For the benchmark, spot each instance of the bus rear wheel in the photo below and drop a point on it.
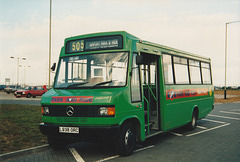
(193, 124)
(126, 141)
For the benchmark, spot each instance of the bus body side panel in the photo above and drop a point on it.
(207, 103)
(178, 110)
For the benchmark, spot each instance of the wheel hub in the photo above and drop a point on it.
(127, 136)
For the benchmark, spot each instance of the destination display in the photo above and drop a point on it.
(92, 44)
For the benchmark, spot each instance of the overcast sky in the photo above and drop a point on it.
(189, 25)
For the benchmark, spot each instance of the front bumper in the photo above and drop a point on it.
(20, 95)
(85, 133)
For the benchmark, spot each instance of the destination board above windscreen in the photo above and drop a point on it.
(94, 44)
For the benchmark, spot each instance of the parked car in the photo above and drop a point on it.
(234, 87)
(217, 88)
(31, 91)
(2, 87)
(11, 89)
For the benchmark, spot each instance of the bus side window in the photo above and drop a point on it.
(181, 70)
(206, 74)
(135, 81)
(195, 74)
(167, 67)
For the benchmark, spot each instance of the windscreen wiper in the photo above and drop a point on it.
(102, 83)
(75, 85)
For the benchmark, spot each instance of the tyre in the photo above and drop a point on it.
(57, 143)
(126, 140)
(29, 95)
(193, 124)
(34, 96)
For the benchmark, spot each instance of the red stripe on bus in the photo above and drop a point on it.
(72, 99)
(184, 93)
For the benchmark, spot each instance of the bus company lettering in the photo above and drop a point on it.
(72, 99)
(183, 93)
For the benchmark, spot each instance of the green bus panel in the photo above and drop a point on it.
(180, 102)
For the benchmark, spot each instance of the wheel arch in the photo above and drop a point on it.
(28, 95)
(195, 110)
(136, 123)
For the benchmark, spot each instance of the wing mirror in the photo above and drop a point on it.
(53, 67)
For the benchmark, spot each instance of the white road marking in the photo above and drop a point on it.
(75, 154)
(109, 158)
(144, 148)
(206, 130)
(176, 134)
(224, 117)
(218, 103)
(214, 121)
(24, 150)
(235, 110)
(227, 112)
(116, 156)
(201, 127)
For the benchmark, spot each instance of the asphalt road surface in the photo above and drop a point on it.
(11, 99)
(216, 138)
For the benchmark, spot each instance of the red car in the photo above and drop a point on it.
(31, 92)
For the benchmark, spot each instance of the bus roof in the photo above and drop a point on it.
(127, 35)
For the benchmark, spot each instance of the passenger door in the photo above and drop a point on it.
(150, 79)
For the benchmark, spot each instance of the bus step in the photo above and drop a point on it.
(150, 125)
(153, 133)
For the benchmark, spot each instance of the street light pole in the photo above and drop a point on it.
(23, 58)
(25, 75)
(17, 71)
(225, 87)
(49, 63)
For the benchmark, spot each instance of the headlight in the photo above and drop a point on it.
(103, 111)
(45, 110)
(106, 111)
(23, 93)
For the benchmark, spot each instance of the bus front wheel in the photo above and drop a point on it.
(126, 141)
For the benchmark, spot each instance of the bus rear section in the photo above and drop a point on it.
(188, 90)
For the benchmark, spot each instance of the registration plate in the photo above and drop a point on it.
(68, 130)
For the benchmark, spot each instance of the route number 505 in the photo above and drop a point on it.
(75, 46)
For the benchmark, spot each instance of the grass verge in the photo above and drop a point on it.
(234, 96)
(19, 127)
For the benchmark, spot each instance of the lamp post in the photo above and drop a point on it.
(25, 75)
(49, 61)
(225, 89)
(23, 58)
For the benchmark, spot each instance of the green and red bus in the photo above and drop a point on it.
(114, 86)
